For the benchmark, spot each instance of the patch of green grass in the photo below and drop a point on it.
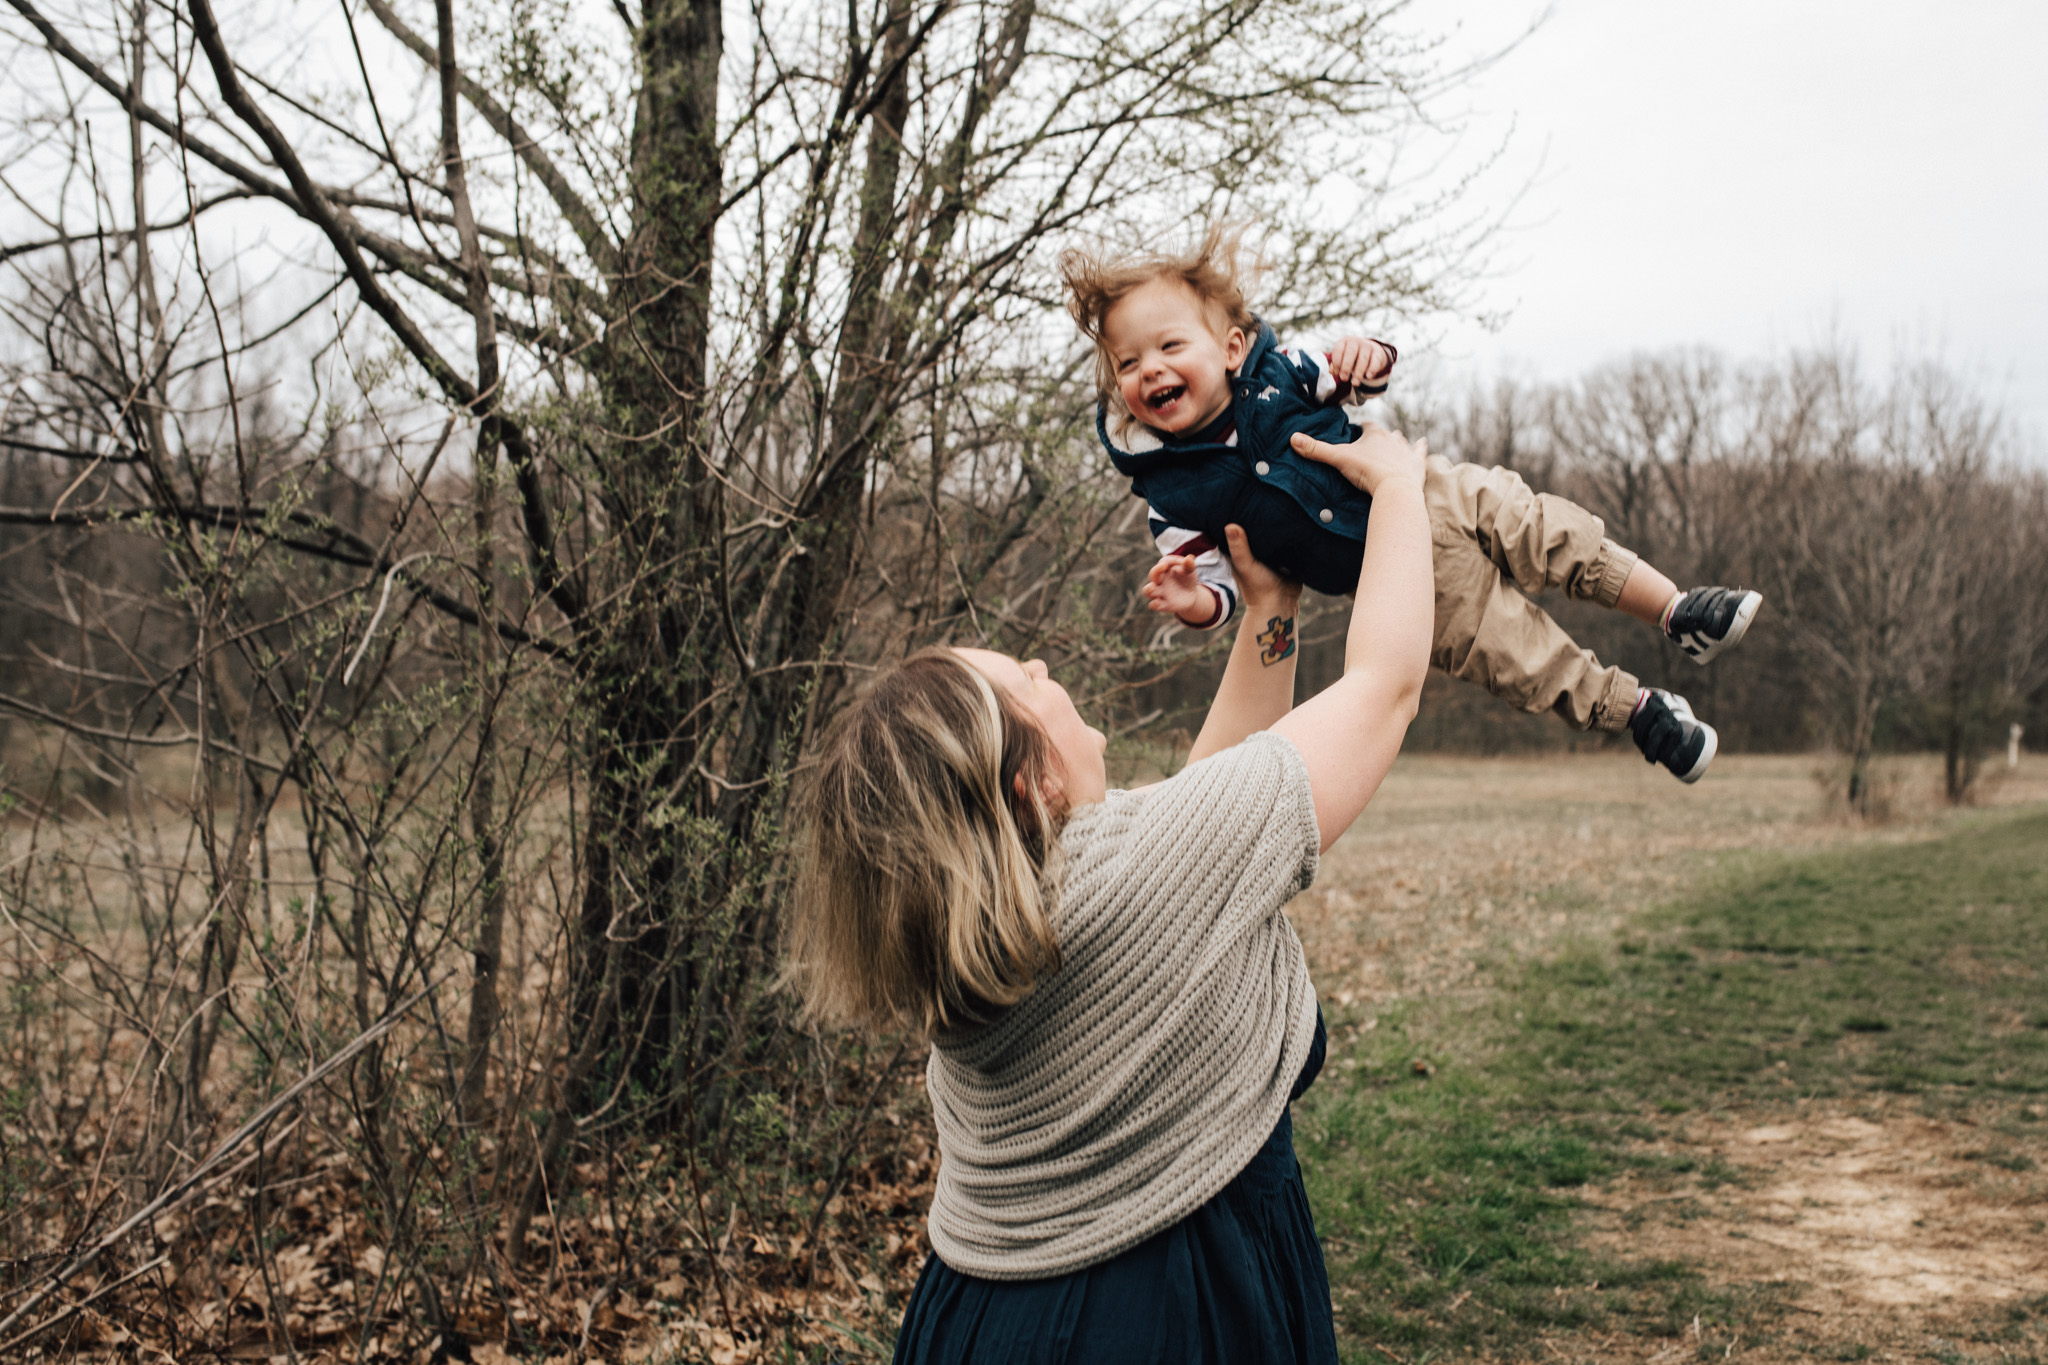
(1422, 1194)
(1895, 969)
(1444, 1206)
(1444, 1200)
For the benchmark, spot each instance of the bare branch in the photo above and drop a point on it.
(590, 232)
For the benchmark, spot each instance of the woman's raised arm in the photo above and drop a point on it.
(1258, 682)
(1349, 733)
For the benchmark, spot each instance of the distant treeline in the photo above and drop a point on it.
(1899, 536)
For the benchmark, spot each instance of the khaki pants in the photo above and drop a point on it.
(1489, 527)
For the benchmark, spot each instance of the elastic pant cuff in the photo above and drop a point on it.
(1608, 571)
(1618, 703)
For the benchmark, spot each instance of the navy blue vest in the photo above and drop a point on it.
(1302, 519)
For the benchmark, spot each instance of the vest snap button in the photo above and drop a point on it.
(1263, 468)
(1327, 515)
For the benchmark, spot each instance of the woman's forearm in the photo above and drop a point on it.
(1258, 681)
(1349, 734)
(1396, 580)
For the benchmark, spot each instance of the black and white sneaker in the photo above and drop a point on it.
(1667, 732)
(1705, 621)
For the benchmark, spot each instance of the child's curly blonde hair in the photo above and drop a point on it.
(1214, 268)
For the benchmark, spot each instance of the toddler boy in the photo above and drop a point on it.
(1202, 408)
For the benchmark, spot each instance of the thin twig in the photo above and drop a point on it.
(348, 674)
(860, 1122)
(47, 1323)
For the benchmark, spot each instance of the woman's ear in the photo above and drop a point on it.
(1050, 788)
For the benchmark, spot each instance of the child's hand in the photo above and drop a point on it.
(1361, 361)
(1377, 455)
(1172, 588)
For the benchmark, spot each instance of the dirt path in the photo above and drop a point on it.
(1883, 1230)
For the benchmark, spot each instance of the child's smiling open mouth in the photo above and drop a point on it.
(1163, 400)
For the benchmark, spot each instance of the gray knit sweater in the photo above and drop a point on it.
(1137, 1081)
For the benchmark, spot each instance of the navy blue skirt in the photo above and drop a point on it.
(1240, 1279)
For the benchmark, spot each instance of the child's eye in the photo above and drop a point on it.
(1123, 366)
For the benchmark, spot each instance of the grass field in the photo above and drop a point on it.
(1626, 1071)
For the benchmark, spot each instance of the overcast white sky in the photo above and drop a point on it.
(1759, 175)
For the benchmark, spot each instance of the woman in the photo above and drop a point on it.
(1119, 1011)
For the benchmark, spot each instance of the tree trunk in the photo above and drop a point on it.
(652, 655)
(486, 948)
(490, 846)
(1860, 739)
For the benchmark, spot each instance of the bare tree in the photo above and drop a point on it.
(1992, 647)
(1866, 495)
(1877, 516)
(530, 419)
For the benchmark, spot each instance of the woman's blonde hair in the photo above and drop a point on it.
(925, 892)
(1214, 268)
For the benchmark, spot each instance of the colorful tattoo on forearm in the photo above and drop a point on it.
(1276, 640)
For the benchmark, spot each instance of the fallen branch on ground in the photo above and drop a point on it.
(199, 1173)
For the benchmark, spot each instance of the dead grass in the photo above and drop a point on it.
(1459, 859)
(1876, 1211)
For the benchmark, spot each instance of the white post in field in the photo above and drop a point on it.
(2012, 746)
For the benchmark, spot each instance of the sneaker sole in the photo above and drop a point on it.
(1737, 628)
(1707, 752)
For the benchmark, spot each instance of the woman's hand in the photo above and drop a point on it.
(1259, 584)
(1377, 455)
